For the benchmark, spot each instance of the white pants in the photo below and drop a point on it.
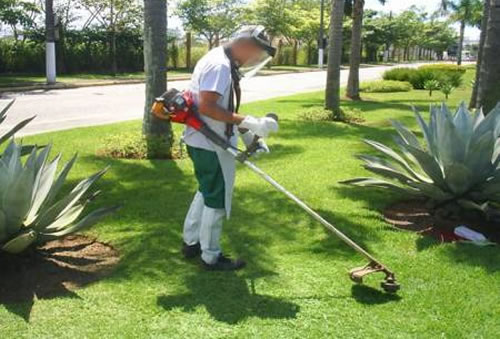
(204, 225)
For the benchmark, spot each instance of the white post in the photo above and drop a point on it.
(320, 58)
(50, 62)
(50, 46)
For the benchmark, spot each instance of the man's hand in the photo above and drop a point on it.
(259, 126)
(248, 138)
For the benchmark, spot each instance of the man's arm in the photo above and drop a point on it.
(208, 106)
(260, 126)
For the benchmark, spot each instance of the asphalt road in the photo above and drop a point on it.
(89, 106)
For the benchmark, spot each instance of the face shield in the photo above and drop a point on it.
(262, 50)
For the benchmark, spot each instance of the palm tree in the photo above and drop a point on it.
(484, 21)
(332, 93)
(464, 12)
(155, 59)
(489, 83)
(355, 57)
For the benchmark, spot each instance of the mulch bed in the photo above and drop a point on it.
(54, 269)
(417, 217)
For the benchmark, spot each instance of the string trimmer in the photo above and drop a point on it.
(179, 107)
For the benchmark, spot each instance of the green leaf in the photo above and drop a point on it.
(43, 185)
(459, 178)
(3, 227)
(463, 123)
(15, 129)
(406, 135)
(396, 157)
(428, 135)
(20, 243)
(372, 182)
(59, 208)
(56, 187)
(429, 165)
(7, 107)
(17, 198)
(88, 221)
(64, 219)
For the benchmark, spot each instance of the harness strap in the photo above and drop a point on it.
(235, 92)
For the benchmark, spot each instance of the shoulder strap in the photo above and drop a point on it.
(235, 92)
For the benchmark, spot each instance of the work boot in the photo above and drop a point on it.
(191, 251)
(224, 263)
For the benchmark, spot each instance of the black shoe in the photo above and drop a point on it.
(191, 251)
(224, 263)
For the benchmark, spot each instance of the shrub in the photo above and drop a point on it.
(349, 115)
(385, 86)
(447, 68)
(419, 76)
(459, 166)
(399, 74)
(136, 146)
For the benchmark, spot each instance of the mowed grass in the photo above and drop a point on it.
(296, 283)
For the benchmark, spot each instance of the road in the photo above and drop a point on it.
(89, 106)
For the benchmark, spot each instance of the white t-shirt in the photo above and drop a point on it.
(212, 73)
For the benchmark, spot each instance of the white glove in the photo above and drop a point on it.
(260, 126)
(248, 138)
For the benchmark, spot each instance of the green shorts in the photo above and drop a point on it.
(208, 172)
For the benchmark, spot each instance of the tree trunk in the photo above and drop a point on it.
(332, 92)
(461, 43)
(155, 56)
(489, 83)
(295, 51)
(355, 59)
(486, 12)
(112, 26)
(188, 50)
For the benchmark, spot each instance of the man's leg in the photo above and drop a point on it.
(210, 232)
(211, 180)
(192, 224)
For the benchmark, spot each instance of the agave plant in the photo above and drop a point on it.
(31, 210)
(16, 128)
(459, 162)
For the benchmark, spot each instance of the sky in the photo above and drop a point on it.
(428, 5)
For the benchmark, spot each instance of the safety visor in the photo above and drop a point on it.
(259, 36)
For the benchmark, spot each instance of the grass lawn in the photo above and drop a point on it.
(296, 283)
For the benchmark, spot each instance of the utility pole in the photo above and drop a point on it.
(321, 41)
(50, 35)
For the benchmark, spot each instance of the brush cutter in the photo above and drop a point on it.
(179, 107)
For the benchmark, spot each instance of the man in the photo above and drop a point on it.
(216, 92)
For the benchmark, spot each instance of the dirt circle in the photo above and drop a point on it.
(55, 269)
(414, 215)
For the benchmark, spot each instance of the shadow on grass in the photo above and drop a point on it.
(228, 297)
(371, 296)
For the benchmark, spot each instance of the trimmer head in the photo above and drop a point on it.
(389, 284)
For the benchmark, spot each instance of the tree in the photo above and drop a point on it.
(482, 38)
(355, 57)
(213, 19)
(114, 16)
(332, 92)
(155, 57)
(465, 12)
(489, 83)
(15, 13)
